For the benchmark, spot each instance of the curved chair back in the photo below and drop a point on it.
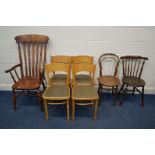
(52, 69)
(113, 58)
(87, 68)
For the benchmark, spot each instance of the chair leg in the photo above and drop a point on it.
(99, 92)
(123, 94)
(133, 90)
(115, 96)
(14, 99)
(121, 89)
(40, 100)
(68, 110)
(46, 109)
(95, 109)
(142, 103)
(43, 84)
(73, 109)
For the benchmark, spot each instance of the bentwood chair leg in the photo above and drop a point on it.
(115, 95)
(14, 99)
(95, 110)
(73, 110)
(133, 90)
(142, 104)
(68, 110)
(46, 109)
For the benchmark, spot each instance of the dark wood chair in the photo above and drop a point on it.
(32, 58)
(108, 80)
(132, 71)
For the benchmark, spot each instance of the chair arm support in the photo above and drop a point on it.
(12, 68)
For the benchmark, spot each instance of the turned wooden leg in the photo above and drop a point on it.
(73, 110)
(142, 104)
(14, 99)
(68, 110)
(133, 90)
(40, 100)
(46, 109)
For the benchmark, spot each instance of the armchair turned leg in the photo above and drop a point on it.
(40, 100)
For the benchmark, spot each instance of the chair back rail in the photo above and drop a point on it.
(82, 59)
(32, 54)
(133, 65)
(61, 59)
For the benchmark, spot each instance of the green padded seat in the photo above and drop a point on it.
(83, 79)
(84, 92)
(57, 92)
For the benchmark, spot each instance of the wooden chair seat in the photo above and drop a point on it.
(59, 78)
(27, 83)
(83, 79)
(109, 81)
(133, 81)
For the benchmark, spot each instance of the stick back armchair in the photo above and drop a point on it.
(32, 59)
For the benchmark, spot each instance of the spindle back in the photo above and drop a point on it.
(133, 65)
(32, 54)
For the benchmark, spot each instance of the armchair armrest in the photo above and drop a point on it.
(12, 68)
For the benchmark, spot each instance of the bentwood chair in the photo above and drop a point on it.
(132, 71)
(83, 74)
(57, 92)
(32, 58)
(108, 68)
(61, 59)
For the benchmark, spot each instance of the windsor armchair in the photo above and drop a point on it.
(132, 71)
(32, 58)
(109, 79)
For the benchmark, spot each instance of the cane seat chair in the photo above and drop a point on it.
(57, 91)
(80, 70)
(132, 71)
(82, 59)
(108, 69)
(61, 59)
(32, 58)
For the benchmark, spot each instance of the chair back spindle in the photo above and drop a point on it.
(133, 66)
(32, 54)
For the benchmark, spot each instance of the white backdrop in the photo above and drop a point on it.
(85, 40)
